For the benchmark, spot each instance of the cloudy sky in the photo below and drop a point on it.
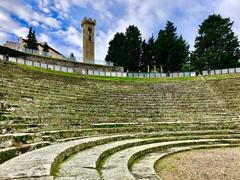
(58, 22)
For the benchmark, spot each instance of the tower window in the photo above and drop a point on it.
(89, 38)
(89, 30)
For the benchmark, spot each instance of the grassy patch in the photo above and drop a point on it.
(49, 71)
(222, 76)
(103, 78)
(145, 80)
(126, 79)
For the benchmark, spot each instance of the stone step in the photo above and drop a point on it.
(9, 140)
(116, 166)
(143, 168)
(42, 162)
(63, 134)
(11, 152)
(79, 167)
(48, 158)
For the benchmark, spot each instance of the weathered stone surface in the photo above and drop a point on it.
(83, 164)
(38, 163)
(144, 167)
(116, 166)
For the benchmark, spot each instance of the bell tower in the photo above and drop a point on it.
(88, 29)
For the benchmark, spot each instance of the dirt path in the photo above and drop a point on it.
(214, 164)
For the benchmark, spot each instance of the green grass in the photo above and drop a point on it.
(49, 71)
(103, 78)
(222, 76)
(126, 79)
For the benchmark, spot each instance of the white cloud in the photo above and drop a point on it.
(43, 38)
(148, 15)
(34, 23)
(71, 36)
(230, 8)
(43, 5)
(26, 13)
(8, 25)
(101, 7)
(3, 37)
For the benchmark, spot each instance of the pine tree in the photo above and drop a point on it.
(72, 57)
(133, 48)
(144, 57)
(31, 42)
(116, 51)
(45, 47)
(147, 56)
(171, 51)
(125, 49)
(216, 46)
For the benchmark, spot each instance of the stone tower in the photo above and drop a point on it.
(88, 28)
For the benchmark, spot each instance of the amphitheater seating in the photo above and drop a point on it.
(110, 129)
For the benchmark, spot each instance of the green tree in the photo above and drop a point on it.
(133, 48)
(116, 51)
(216, 46)
(72, 57)
(171, 50)
(31, 42)
(125, 49)
(45, 47)
(147, 57)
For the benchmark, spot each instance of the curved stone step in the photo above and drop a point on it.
(143, 168)
(83, 164)
(63, 134)
(11, 152)
(87, 168)
(9, 140)
(42, 162)
(116, 166)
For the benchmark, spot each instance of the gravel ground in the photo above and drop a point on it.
(214, 164)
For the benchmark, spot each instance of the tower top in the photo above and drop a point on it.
(88, 21)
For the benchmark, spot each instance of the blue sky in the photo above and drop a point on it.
(58, 22)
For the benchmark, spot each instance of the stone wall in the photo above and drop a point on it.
(77, 65)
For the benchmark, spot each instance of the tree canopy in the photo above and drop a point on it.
(72, 57)
(216, 46)
(116, 51)
(171, 50)
(45, 47)
(125, 49)
(147, 60)
(31, 41)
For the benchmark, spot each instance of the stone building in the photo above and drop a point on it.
(88, 29)
(20, 46)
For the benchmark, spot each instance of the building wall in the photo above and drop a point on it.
(11, 45)
(20, 47)
(50, 52)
